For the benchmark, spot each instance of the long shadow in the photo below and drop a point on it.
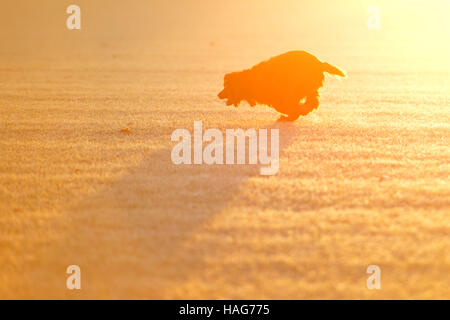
(134, 229)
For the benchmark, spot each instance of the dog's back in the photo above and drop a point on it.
(293, 74)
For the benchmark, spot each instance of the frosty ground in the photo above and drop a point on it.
(86, 176)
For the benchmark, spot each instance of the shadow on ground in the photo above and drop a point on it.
(127, 237)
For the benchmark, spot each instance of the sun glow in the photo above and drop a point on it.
(415, 31)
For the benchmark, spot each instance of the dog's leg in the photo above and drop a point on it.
(289, 107)
(289, 118)
(311, 103)
(283, 118)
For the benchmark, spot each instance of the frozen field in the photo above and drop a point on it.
(363, 180)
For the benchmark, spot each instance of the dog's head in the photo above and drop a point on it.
(233, 88)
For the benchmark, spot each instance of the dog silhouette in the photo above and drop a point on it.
(289, 83)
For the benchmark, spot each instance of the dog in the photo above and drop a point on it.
(289, 83)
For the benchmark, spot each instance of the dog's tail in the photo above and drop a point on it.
(333, 70)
